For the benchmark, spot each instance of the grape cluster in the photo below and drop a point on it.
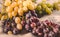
(10, 27)
(18, 7)
(40, 28)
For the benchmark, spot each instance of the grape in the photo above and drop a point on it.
(45, 30)
(39, 8)
(55, 30)
(4, 17)
(34, 19)
(14, 4)
(9, 9)
(33, 25)
(5, 30)
(9, 32)
(49, 5)
(15, 31)
(37, 30)
(17, 20)
(13, 24)
(25, 3)
(28, 15)
(16, 9)
(40, 34)
(45, 35)
(33, 13)
(23, 22)
(27, 27)
(25, 9)
(20, 2)
(14, 13)
(48, 11)
(20, 12)
(31, 7)
(50, 34)
(38, 23)
(19, 26)
(43, 5)
(33, 32)
(10, 15)
(7, 3)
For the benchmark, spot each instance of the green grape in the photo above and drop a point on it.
(49, 5)
(40, 12)
(43, 5)
(38, 8)
(48, 10)
(51, 9)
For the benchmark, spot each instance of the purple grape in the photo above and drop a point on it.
(33, 25)
(28, 15)
(23, 22)
(46, 30)
(33, 13)
(27, 27)
(38, 23)
(45, 35)
(13, 24)
(15, 31)
(34, 19)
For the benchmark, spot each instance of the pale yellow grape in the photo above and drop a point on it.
(17, 20)
(31, 7)
(9, 9)
(14, 13)
(4, 17)
(48, 10)
(7, 3)
(25, 9)
(20, 2)
(14, 4)
(20, 6)
(30, 2)
(25, 3)
(16, 9)
(19, 26)
(10, 15)
(20, 11)
(9, 32)
(35, 5)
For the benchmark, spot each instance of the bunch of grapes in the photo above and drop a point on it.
(18, 7)
(40, 28)
(10, 27)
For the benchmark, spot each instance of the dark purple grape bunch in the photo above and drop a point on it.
(9, 27)
(31, 13)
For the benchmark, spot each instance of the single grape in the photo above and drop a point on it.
(17, 20)
(19, 26)
(9, 32)
(15, 31)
